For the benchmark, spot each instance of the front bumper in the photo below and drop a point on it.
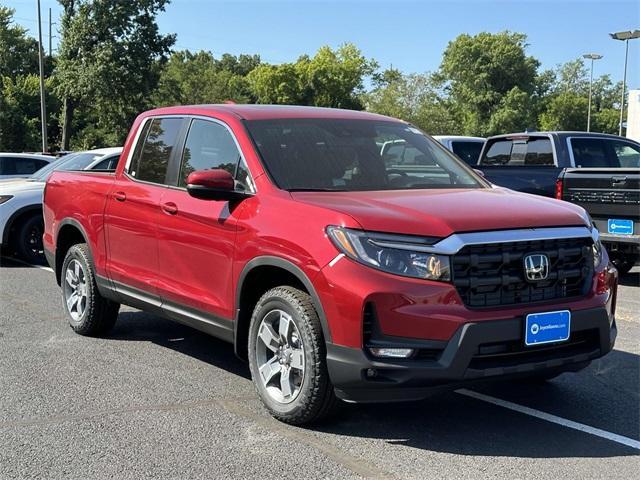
(472, 354)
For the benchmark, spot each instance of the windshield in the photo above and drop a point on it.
(73, 161)
(352, 155)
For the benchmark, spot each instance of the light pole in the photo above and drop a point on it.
(592, 57)
(625, 37)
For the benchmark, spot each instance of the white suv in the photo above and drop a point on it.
(22, 165)
(21, 224)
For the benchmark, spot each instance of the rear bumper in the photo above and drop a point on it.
(358, 377)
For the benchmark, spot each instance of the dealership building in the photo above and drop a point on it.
(633, 115)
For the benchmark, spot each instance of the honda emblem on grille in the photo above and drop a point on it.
(536, 267)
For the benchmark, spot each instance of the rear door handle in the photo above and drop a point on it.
(120, 196)
(170, 208)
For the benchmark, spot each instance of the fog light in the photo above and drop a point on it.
(392, 352)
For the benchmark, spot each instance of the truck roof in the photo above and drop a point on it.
(269, 112)
(559, 133)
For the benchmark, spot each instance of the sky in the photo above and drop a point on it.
(408, 35)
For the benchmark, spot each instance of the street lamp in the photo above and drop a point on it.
(625, 37)
(592, 57)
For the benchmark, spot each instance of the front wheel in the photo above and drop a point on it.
(29, 240)
(287, 357)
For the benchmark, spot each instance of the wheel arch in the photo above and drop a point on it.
(250, 288)
(70, 232)
(18, 216)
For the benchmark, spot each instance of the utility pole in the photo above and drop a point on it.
(43, 107)
(50, 32)
(592, 57)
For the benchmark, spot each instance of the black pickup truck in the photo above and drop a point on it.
(600, 172)
(613, 201)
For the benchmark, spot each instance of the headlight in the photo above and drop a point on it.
(4, 198)
(399, 255)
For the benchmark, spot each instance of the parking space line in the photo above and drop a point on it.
(614, 437)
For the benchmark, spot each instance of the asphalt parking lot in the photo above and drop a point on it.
(157, 399)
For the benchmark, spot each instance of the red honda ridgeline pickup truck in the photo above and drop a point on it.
(346, 255)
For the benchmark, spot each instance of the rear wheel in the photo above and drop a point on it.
(88, 312)
(287, 357)
(28, 241)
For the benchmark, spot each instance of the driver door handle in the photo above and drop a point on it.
(170, 208)
(120, 196)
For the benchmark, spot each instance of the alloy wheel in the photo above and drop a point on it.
(280, 356)
(75, 289)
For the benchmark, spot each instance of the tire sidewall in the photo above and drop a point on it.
(264, 306)
(75, 253)
(22, 245)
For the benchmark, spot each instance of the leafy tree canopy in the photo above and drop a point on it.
(109, 58)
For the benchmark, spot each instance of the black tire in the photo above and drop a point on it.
(28, 242)
(624, 263)
(315, 398)
(99, 314)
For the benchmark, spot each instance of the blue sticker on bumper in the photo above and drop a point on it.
(620, 226)
(547, 327)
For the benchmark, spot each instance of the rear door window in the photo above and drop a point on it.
(590, 153)
(159, 143)
(604, 153)
(467, 151)
(526, 151)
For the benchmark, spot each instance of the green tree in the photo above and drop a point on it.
(20, 90)
(110, 57)
(193, 78)
(275, 84)
(416, 98)
(331, 78)
(491, 75)
(18, 52)
(565, 111)
(20, 113)
(566, 104)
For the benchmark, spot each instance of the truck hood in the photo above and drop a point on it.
(440, 213)
(12, 188)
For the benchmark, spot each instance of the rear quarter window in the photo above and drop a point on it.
(527, 151)
(467, 151)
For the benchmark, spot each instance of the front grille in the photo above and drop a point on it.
(493, 274)
(508, 354)
(630, 197)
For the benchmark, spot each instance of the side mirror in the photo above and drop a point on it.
(213, 185)
(479, 172)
